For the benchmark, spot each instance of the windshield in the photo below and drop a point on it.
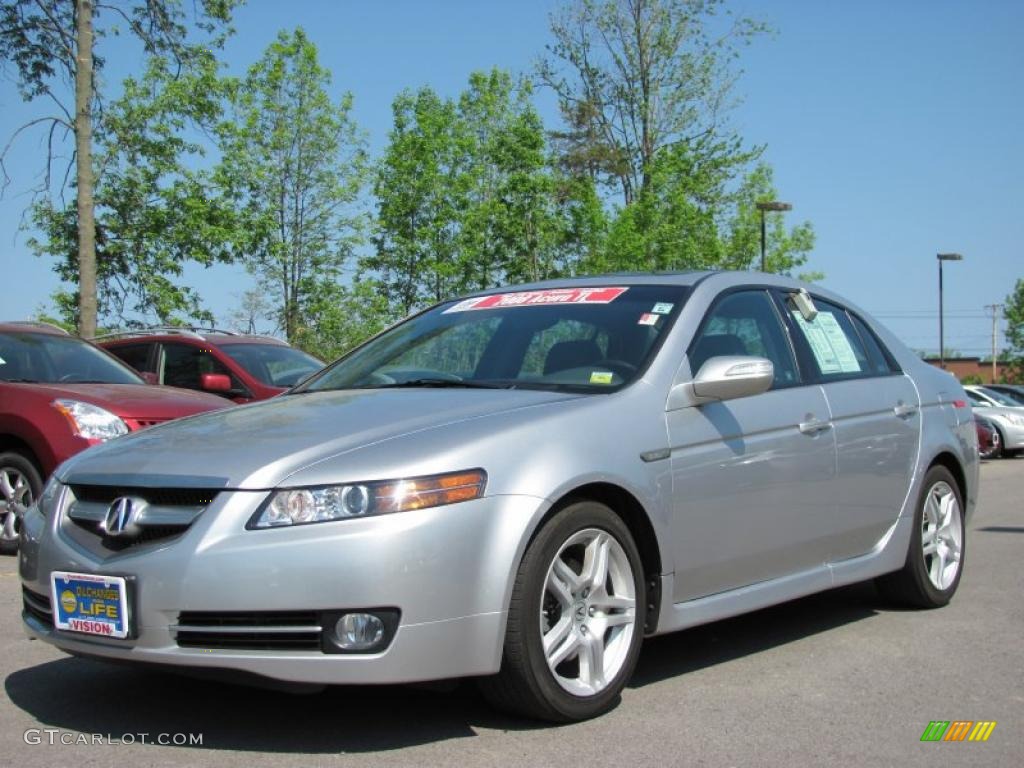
(273, 364)
(572, 339)
(999, 397)
(49, 359)
(1017, 397)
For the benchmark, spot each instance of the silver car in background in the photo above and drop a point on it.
(1004, 413)
(519, 486)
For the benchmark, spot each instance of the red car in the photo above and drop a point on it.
(58, 396)
(989, 442)
(236, 366)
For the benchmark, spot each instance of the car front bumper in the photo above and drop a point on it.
(447, 570)
(1013, 435)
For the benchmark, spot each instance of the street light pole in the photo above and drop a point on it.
(773, 205)
(942, 341)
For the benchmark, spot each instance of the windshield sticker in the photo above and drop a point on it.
(2, 361)
(831, 348)
(662, 308)
(539, 298)
(601, 377)
(647, 318)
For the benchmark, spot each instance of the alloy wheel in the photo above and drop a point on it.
(942, 535)
(15, 498)
(588, 612)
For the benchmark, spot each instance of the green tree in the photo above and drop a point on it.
(295, 162)
(155, 208)
(467, 197)
(420, 196)
(338, 318)
(635, 77)
(1013, 313)
(51, 44)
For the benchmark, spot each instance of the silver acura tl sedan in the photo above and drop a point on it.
(518, 486)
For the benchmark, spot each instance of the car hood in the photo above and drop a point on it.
(257, 446)
(136, 401)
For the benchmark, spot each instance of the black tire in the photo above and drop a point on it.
(13, 464)
(911, 586)
(525, 685)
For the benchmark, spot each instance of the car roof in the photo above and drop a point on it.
(31, 326)
(214, 338)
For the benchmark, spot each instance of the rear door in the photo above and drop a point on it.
(753, 478)
(876, 415)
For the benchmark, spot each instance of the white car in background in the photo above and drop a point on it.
(1005, 414)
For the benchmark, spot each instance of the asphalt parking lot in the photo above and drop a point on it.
(834, 679)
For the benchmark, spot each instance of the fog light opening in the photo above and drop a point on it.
(359, 631)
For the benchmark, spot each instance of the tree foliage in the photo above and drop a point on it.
(155, 208)
(51, 44)
(1013, 313)
(295, 162)
(467, 197)
(636, 77)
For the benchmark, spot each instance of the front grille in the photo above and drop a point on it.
(157, 497)
(37, 606)
(249, 630)
(148, 534)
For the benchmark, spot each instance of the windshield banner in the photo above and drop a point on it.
(539, 298)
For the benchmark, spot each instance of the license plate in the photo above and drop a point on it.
(90, 604)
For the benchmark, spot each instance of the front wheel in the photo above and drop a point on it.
(575, 620)
(935, 558)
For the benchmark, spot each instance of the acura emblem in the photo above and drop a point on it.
(121, 516)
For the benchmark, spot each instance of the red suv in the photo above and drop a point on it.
(240, 367)
(60, 395)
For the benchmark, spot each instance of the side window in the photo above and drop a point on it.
(184, 364)
(975, 399)
(745, 323)
(836, 348)
(135, 355)
(877, 358)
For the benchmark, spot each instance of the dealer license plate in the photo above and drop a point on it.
(90, 604)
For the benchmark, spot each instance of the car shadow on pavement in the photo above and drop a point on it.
(1002, 529)
(87, 696)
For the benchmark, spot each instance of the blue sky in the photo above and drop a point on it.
(897, 128)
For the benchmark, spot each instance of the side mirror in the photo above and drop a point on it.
(149, 377)
(724, 378)
(215, 382)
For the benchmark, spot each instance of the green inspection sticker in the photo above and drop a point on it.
(601, 377)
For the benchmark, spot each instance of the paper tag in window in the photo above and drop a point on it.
(601, 377)
(2, 361)
(647, 318)
(662, 308)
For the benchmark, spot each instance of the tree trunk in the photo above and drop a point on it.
(84, 171)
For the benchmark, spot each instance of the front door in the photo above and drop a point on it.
(752, 478)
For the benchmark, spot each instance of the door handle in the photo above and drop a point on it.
(814, 426)
(904, 411)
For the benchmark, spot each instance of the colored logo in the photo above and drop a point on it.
(958, 730)
(68, 601)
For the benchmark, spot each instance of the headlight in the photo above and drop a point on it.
(298, 506)
(90, 421)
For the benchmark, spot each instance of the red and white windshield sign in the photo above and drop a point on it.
(539, 298)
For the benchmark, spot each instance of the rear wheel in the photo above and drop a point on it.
(931, 574)
(20, 485)
(575, 621)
